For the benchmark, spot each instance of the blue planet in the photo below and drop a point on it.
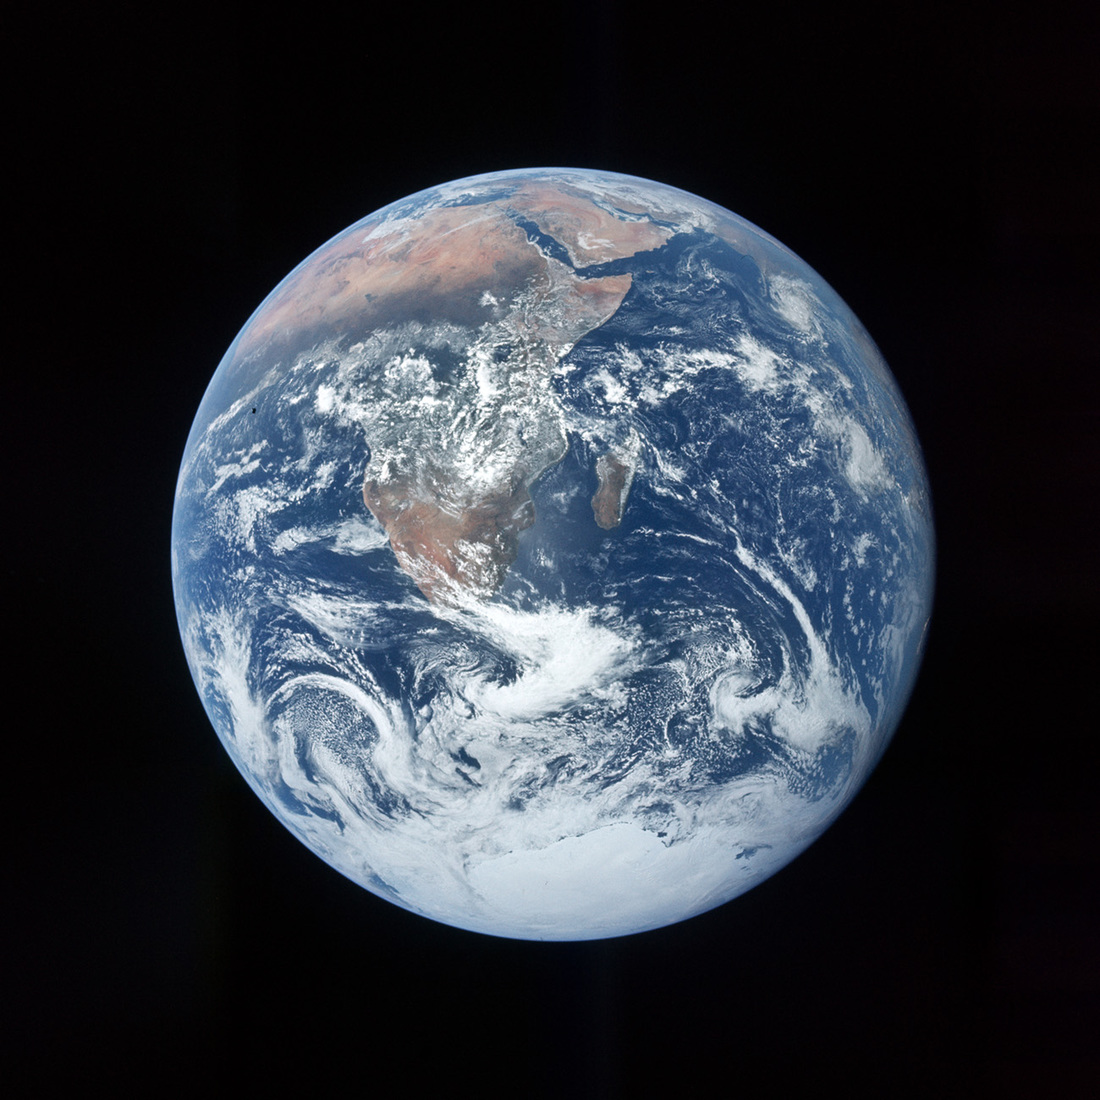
(553, 554)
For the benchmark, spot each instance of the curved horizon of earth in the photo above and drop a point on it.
(553, 553)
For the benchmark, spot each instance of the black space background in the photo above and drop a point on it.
(171, 166)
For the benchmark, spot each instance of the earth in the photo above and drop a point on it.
(552, 553)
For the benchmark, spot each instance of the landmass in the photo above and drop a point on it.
(451, 466)
(432, 268)
(447, 546)
(590, 233)
(610, 498)
(451, 490)
(448, 263)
